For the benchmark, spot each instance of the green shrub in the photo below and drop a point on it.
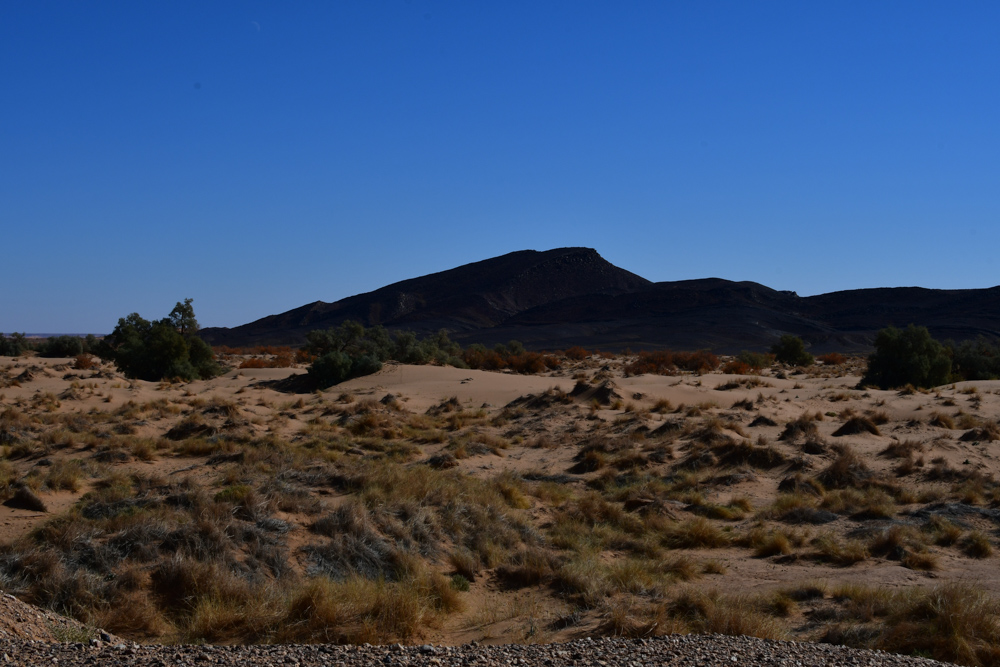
(163, 349)
(755, 360)
(907, 356)
(350, 350)
(977, 359)
(791, 350)
(13, 346)
(336, 367)
(61, 346)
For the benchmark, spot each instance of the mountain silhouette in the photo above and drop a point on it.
(572, 296)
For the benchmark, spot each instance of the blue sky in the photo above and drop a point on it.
(257, 156)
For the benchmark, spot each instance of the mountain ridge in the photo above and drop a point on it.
(572, 296)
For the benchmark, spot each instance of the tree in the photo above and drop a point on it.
(791, 350)
(13, 346)
(977, 359)
(163, 349)
(62, 346)
(907, 356)
(182, 318)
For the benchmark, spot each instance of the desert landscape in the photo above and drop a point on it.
(528, 333)
(434, 505)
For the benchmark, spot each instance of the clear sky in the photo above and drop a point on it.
(257, 156)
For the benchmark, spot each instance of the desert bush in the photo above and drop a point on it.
(953, 623)
(736, 367)
(660, 362)
(757, 455)
(697, 533)
(977, 545)
(666, 362)
(942, 531)
(868, 503)
(765, 542)
(848, 470)
(701, 361)
(529, 363)
(577, 353)
(977, 359)
(163, 349)
(713, 613)
(756, 360)
(83, 362)
(902, 450)
(336, 367)
(14, 346)
(907, 356)
(802, 426)
(278, 358)
(856, 425)
(832, 359)
(61, 346)
(527, 567)
(839, 551)
(351, 350)
(584, 577)
(941, 421)
(791, 350)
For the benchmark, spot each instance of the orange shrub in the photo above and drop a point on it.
(83, 362)
(737, 367)
(487, 360)
(665, 362)
(659, 362)
(832, 359)
(577, 353)
(696, 362)
(527, 363)
(269, 357)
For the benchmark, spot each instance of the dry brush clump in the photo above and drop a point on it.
(201, 565)
(667, 362)
(953, 622)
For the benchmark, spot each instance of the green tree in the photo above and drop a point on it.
(182, 318)
(977, 359)
(62, 346)
(791, 350)
(13, 346)
(162, 349)
(907, 356)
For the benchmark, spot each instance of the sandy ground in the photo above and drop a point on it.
(43, 388)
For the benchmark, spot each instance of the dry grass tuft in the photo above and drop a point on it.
(856, 425)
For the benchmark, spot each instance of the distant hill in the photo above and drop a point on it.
(573, 296)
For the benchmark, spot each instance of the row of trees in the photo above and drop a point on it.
(170, 348)
(166, 348)
(56, 346)
(912, 356)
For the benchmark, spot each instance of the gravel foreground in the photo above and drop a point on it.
(694, 650)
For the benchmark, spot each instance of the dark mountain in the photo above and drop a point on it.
(572, 296)
(471, 298)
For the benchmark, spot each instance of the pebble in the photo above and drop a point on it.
(706, 650)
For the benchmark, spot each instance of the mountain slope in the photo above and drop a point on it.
(573, 296)
(472, 297)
